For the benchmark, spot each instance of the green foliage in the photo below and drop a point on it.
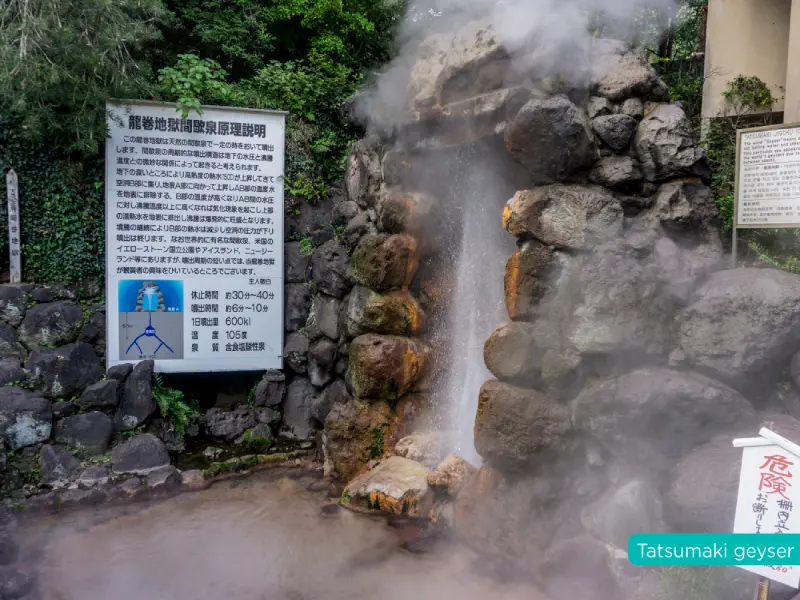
(306, 246)
(194, 81)
(749, 94)
(61, 210)
(60, 60)
(171, 405)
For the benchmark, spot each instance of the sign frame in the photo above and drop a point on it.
(126, 105)
(736, 187)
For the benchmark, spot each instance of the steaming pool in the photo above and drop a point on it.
(259, 538)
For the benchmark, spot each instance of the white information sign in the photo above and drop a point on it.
(768, 177)
(194, 237)
(15, 259)
(769, 495)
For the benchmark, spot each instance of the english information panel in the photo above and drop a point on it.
(768, 177)
(194, 238)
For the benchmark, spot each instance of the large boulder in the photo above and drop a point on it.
(616, 131)
(740, 325)
(11, 372)
(528, 277)
(683, 208)
(665, 146)
(329, 269)
(512, 354)
(139, 455)
(620, 74)
(86, 434)
(12, 305)
(56, 464)
(689, 408)
(550, 138)
(137, 403)
(396, 486)
(382, 262)
(63, 372)
(385, 367)
(297, 415)
(297, 307)
(426, 448)
(10, 348)
(25, 418)
(355, 433)
(230, 425)
(103, 395)
(51, 325)
(618, 172)
(451, 475)
(324, 317)
(401, 211)
(392, 313)
(565, 216)
(363, 177)
(513, 424)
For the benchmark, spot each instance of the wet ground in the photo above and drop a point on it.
(259, 538)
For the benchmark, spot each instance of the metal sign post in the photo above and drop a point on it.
(12, 195)
(767, 187)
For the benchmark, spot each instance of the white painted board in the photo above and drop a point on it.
(768, 178)
(14, 232)
(768, 501)
(194, 238)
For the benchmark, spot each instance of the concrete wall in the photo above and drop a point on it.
(747, 37)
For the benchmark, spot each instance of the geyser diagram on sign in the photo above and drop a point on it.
(151, 320)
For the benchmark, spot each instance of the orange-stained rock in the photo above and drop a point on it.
(526, 279)
(396, 486)
(402, 211)
(385, 367)
(382, 262)
(392, 313)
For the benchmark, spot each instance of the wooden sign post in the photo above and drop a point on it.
(12, 193)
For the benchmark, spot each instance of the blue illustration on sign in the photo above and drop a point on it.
(151, 319)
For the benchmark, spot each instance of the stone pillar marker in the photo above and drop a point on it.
(12, 194)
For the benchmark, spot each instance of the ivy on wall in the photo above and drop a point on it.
(61, 211)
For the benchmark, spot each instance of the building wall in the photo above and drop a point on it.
(746, 37)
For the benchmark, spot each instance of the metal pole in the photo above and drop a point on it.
(762, 589)
(734, 260)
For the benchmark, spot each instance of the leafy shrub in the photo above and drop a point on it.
(172, 406)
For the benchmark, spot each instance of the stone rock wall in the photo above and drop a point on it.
(629, 355)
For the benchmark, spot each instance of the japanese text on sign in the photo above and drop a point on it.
(768, 191)
(766, 502)
(194, 238)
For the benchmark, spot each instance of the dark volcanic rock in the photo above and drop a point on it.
(620, 74)
(94, 333)
(63, 372)
(120, 372)
(13, 584)
(297, 409)
(297, 262)
(296, 352)
(335, 393)
(12, 305)
(51, 325)
(665, 147)
(322, 356)
(324, 317)
(329, 269)
(550, 138)
(688, 407)
(10, 372)
(741, 324)
(298, 305)
(140, 454)
(231, 424)
(25, 418)
(618, 172)
(103, 395)
(57, 464)
(137, 403)
(271, 389)
(87, 434)
(10, 348)
(616, 131)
